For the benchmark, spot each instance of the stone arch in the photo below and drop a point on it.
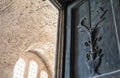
(46, 52)
(35, 56)
(43, 60)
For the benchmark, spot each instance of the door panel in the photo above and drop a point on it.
(94, 39)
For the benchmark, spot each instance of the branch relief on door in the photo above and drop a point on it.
(95, 54)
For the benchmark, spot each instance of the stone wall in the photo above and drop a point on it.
(26, 25)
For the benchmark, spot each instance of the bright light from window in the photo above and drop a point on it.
(19, 69)
(43, 74)
(33, 70)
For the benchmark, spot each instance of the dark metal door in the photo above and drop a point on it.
(93, 35)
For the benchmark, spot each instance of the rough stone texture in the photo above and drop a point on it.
(26, 25)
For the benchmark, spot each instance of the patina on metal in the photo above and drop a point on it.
(103, 57)
(94, 56)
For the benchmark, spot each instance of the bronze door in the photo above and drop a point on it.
(92, 39)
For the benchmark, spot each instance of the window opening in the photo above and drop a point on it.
(32, 73)
(19, 69)
(43, 74)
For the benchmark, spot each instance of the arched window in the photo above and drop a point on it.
(43, 74)
(19, 69)
(30, 66)
(32, 73)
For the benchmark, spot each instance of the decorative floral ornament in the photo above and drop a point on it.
(94, 56)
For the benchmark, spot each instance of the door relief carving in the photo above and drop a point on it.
(95, 54)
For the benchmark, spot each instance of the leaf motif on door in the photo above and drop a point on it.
(94, 56)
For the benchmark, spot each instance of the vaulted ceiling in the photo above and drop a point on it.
(26, 24)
